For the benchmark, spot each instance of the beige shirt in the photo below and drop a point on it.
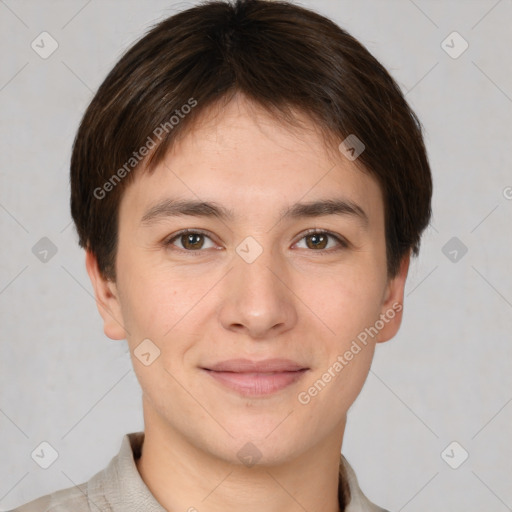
(120, 488)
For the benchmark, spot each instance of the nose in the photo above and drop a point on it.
(257, 299)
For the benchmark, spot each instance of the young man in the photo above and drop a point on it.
(249, 185)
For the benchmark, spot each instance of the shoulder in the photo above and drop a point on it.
(358, 502)
(64, 500)
(101, 491)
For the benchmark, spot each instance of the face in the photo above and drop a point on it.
(256, 277)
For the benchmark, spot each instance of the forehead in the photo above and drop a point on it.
(249, 162)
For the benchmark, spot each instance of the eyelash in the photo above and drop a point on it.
(342, 242)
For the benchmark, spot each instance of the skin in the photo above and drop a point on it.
(208, 305)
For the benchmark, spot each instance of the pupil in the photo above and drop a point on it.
(317, 239)
(190, 239)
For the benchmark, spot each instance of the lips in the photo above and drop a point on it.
(265, 366)
(256, 378)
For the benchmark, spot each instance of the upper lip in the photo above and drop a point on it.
(249, 366)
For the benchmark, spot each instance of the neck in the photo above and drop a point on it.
(183, 477)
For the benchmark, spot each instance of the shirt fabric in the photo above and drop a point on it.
(120, 488)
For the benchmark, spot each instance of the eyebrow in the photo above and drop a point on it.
(179, 207)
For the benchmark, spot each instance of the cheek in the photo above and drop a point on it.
(352, 376)
(334, 386)
(153, 299)
(347, 302)
(348, 307)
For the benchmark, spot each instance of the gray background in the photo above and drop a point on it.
(445, 377)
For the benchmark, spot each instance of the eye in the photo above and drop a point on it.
(190, 240)
(318, 240)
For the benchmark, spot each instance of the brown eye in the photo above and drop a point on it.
(316, 241)
(319, 241)
(191, 241)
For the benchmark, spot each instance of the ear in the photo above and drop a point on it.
(393, 302)
(107, 299)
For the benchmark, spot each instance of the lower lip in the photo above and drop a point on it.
(257, 384)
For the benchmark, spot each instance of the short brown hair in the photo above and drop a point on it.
(280, 56)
